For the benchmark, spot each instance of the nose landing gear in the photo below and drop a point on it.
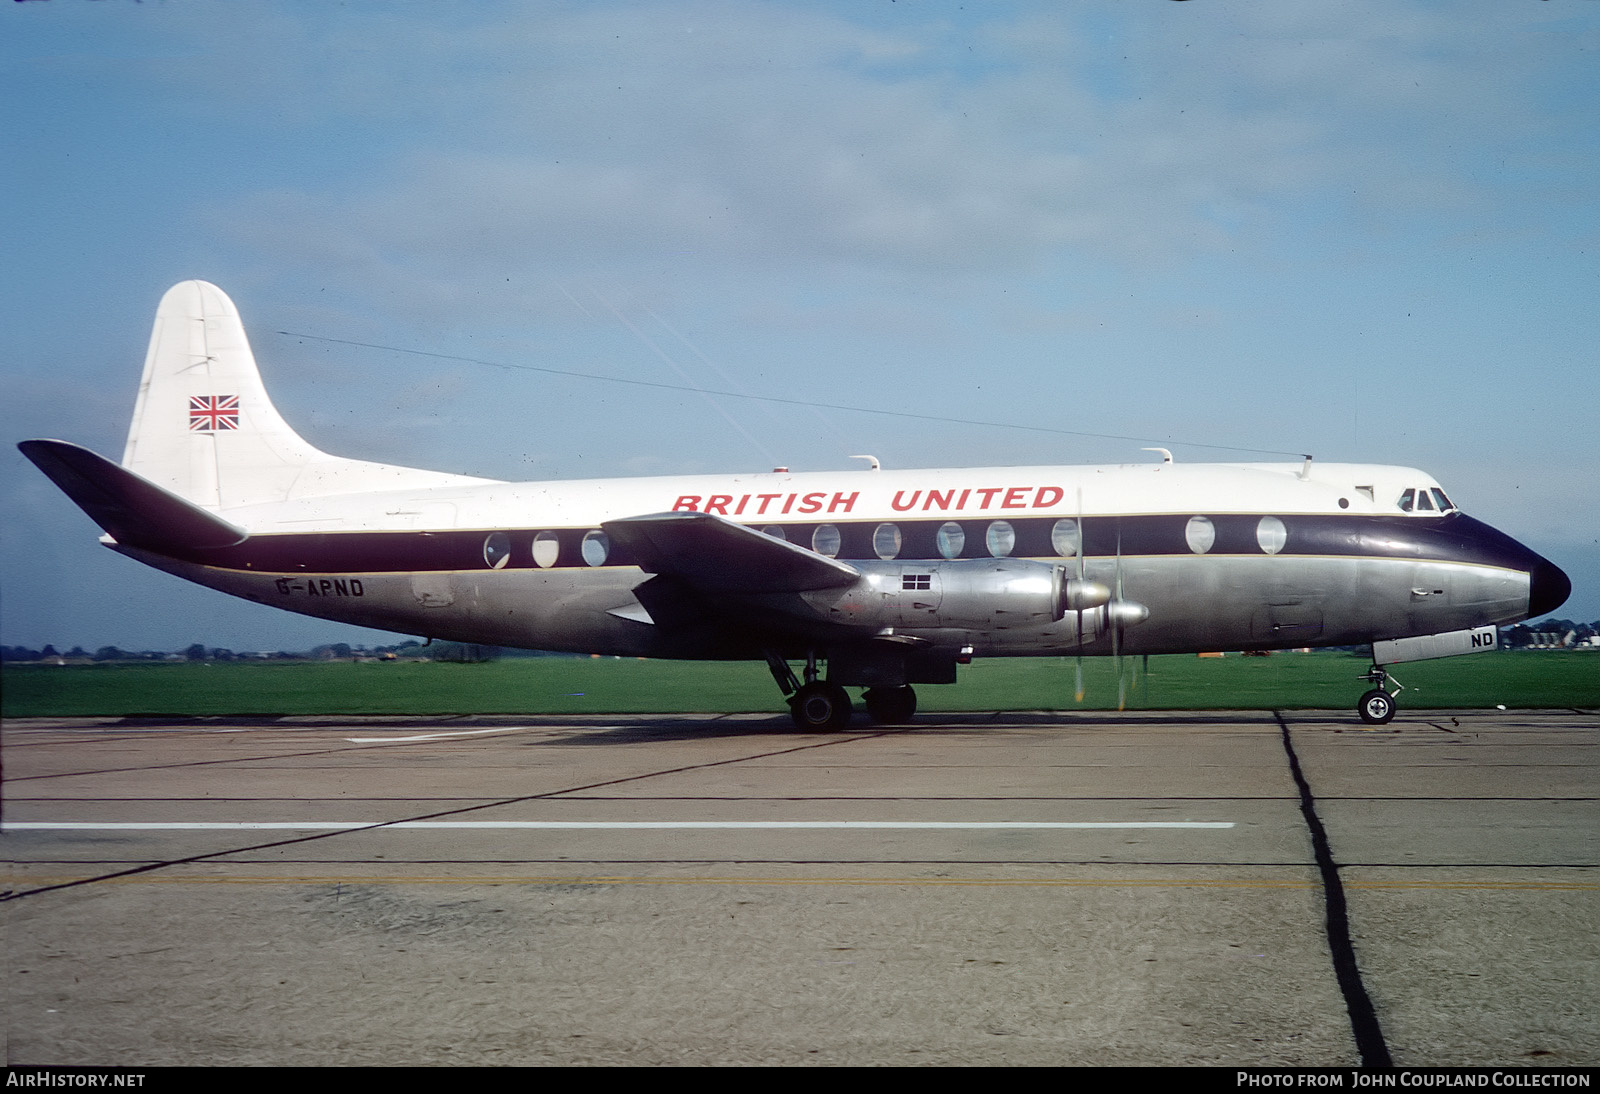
(1377, 706)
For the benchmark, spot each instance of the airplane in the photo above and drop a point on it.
(868, 578)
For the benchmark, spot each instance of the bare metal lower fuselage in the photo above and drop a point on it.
(1195, 603)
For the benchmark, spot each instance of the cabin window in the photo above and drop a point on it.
(886, 540)
(826, 541)
(1001, 538)
(1408, 501)
(775, 531)
(951, 539)
(1444, 503)
(1424, 502)
(1271, 535)
(596, 546)
(496, 550)
(1065, 539)
(546, 549)
(1200, 534)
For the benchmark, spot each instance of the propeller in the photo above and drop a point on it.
(1114, 612)
(1115, 622)
(1078, 689)
(1079, 596)
(1121, 613)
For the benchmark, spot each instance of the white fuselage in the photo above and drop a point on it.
(1222, 556)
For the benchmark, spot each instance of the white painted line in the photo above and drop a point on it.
(334, 826)
(434, 736)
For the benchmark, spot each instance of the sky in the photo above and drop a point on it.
(1369, 231)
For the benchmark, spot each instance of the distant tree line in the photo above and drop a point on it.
(410, 650)
(1565, 631)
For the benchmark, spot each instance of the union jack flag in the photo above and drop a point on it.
(212, 413)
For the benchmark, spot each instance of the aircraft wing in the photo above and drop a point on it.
(133, 509)
(713, 554)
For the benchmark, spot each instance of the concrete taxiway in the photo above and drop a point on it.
(1140, 888)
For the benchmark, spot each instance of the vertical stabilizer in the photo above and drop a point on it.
(202, 406)
(204, 428)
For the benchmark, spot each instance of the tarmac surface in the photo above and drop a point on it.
(1243, 888)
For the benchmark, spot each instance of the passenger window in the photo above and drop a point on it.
(596, 546)
(1200, 534)
(1064, 538)
(497, 550)
(951, 539)
(1001, 538)
(1271, 534)
(546, 549)
(826, 541)
(886, 541)
(775, 531)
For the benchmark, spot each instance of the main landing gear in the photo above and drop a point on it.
(891, 706)
(819, 705)
(1377, 706)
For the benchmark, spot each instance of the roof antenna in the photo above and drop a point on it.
(1305, 470)
(873, 460)
(1166, 456)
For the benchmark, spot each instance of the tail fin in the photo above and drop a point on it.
(204, 428)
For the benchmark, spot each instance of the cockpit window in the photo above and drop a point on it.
(1425, 499)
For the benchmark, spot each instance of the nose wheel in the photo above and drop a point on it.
(1377, 706)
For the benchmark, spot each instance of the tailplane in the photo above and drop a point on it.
(205, 430)
(135, 512)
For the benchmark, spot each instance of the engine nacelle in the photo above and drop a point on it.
(988, 593)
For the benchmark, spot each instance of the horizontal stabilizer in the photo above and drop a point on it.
(717, 555)
(135, 511)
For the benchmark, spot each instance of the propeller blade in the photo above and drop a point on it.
(1116, 628)
(1079, 614)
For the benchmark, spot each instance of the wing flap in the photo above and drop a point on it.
(134, 510)
(713, 554)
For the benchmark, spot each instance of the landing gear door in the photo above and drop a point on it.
(1426, 646)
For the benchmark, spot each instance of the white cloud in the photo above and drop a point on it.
(782, 138)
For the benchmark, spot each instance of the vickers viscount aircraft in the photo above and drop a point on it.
(869, 578)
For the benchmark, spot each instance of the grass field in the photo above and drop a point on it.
(562, 685)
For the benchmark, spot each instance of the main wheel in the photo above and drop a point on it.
(1376, 707)
(891, 706)
(820, 706)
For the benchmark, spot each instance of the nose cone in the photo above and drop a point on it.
(1548, 588)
